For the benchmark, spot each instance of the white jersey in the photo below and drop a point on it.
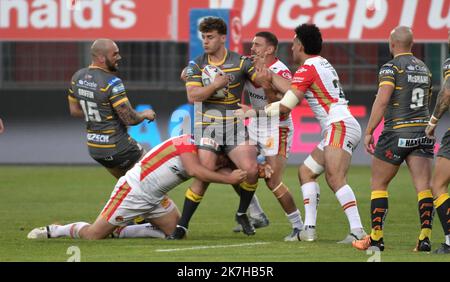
(161, 169)
(320, 82)
(257, 96)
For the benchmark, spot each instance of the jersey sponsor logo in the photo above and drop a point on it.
(418, 78)
(447, 66)
(86, 93)
(256, 96)
(412, 143)
(119, 88)
(298, 79)
(386, 72)
(286, 74)
(88, 84)
(114, 80)
(300, 70)
(99, 138)
(416, 68)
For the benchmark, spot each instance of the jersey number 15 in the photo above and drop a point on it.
(90, 111)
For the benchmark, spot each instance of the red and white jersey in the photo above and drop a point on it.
(318, 79)
(161, 169)
(257, 96)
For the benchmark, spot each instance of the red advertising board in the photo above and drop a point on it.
(84, 19)
(339, 20)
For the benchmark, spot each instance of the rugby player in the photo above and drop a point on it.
(318, 81)
(403, 99)
(98, 95)
(216, 129)
(272, 136)
(441, 177)
(141, 192)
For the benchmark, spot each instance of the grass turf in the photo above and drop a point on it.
(36, 196)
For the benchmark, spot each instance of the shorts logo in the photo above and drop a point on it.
(350, 146)
(209, 143)
(119, 218)
(412, 143)
(269, 143)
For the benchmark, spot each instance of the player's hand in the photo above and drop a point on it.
(221, 81)
(369, 144)
(183, 75)
(265, 171)
(237, 176)
(2, 128)
(149, 115)
(429, 131)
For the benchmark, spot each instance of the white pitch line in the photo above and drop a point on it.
(211, 247)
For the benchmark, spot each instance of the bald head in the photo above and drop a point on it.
(105, 54)
(100, 47)
(402, 37)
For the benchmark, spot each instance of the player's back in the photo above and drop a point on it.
(408, 108)
(318, 79)
(161, 169)
(98, 92)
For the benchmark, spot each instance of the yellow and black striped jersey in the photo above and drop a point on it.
(408, 108)
(98, 92)
(237, 67)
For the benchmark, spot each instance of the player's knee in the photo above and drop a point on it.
(251, 168)
(305, 174)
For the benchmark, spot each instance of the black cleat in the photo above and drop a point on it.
(247, 228)
(178, 234)
(376, 245)
(423, 245)
(443, 249)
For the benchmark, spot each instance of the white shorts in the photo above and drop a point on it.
(344, 134)
(271, 140)
(127, 203)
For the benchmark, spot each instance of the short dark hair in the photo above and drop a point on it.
(269, 37)
(209, 24)
(310, 37)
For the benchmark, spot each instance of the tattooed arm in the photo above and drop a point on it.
(130, 117)
(442, 105)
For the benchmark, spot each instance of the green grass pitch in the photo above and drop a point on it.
(36, 196)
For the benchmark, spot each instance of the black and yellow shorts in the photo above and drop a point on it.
(123, 160)
(393, 147)
(444, 150)
(220, 137)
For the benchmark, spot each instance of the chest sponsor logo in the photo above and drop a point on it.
(88, 84)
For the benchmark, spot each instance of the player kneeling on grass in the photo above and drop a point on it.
(142, 192)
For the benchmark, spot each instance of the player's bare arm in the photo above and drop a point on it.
(200, 94)
(2, 128)
(378, 109)
(75, 108)
(442, 105)
(130, 117)
(194, 169)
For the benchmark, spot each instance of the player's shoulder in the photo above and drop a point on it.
(281, 69)
(446, 65)
(79, 74)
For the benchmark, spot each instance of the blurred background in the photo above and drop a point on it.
(43, 42)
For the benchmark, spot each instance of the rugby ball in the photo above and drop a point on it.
(208, 75)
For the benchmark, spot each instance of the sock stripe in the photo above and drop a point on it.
(349, 205)
(377, 194)
(440, 200)
(196, 198)
(249, 187)
(424, 194)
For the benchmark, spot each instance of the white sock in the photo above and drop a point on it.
(447, 240)
(69, 230)
(296, 219)
(141, 231)
(311, 196)
(347, 200)
(255, 209)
